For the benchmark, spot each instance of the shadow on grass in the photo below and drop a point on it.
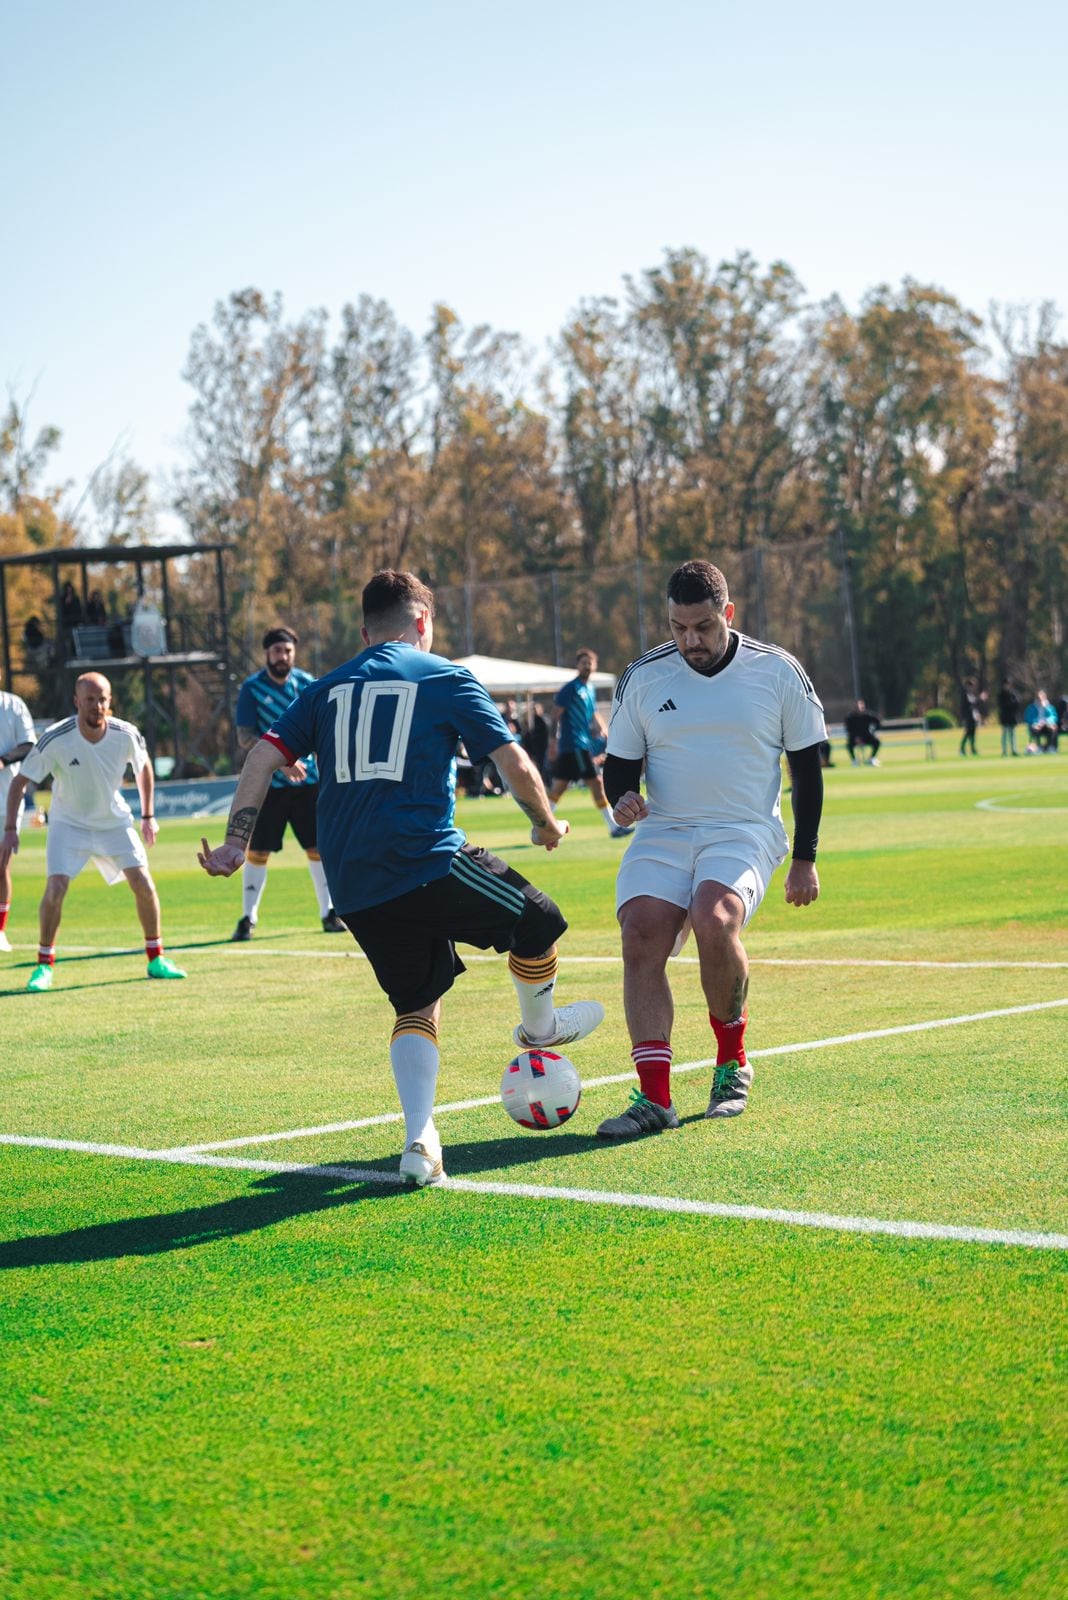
(270, 1200)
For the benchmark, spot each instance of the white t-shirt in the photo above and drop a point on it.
(86, 777)
(16, 727)
(713, 746)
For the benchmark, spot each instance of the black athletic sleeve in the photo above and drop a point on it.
(620, 775)
(807, 776)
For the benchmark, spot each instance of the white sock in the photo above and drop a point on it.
(254, 879)
(322, 889)
(609, 819)
(535, 979)
(413, 1054)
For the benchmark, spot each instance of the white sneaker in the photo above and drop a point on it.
(5, 942)
(572, 1023)
(420, 1166)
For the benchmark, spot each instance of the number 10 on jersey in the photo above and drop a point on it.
(360, 768)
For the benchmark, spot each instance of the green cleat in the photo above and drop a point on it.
(160, 967)
(40, 980)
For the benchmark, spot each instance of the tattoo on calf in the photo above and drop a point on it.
(741, 989)
(242, 822)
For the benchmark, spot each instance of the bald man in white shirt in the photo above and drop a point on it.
(86, 757)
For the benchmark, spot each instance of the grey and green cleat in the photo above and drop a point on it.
(731, 1083)
(40, 979)
(161, 967)
(641, 1116)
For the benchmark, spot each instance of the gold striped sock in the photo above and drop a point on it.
(542, 969)
(409, 1023)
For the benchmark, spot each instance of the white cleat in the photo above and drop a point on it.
(572, 1023)
(420, 1167)
(5, 942)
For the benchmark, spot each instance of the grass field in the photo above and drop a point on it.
(238, 1361)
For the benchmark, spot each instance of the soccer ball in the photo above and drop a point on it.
(540, 1089)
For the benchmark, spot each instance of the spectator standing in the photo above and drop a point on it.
(970, 716)
(1008, 717)
(96, 612)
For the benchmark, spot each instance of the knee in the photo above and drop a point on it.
(55, 890)
(717, 925)
(257, 858)
(313, 855)
(647, 941)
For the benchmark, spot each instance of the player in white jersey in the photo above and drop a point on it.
(709, 716)
(16, 738)
(86, 757)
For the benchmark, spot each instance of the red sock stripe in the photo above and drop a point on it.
(652, 1060)
(46, 955)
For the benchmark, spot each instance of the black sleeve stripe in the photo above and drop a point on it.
(658, 654)
(56, 732)
(759, 648)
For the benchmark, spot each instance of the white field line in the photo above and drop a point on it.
(530, 1191)
(617, 1077)
(603, 961)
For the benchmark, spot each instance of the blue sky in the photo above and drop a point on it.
(507, 160)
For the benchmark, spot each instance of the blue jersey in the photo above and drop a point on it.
(385, 727)
(578, 702)
(261, 701)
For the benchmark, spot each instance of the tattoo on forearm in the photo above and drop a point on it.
(741, 989)
(242, 822)
(535, 813)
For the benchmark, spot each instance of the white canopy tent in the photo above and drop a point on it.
(503, 677)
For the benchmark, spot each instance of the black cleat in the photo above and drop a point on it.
(332, 923)
(242, 932)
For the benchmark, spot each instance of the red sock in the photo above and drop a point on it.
(46, 955)
(730, 1039)
(3, 916)
(153, 948)
(652, 1058)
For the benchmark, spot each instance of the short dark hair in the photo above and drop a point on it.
(585, 651)
(695, 581)
(392, 594)
(280, 636)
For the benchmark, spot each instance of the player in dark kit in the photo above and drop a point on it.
(292, 797)
(384, 729)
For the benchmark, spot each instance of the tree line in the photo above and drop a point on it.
(704, 411)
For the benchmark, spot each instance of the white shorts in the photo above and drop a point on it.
(668, 863)
(111, 850)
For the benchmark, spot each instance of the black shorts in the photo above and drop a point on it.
(577, 766)
(295, 805)
(411, 941)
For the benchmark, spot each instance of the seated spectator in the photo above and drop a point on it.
(860, 727)
(35, 644)
(1043, 724)
(96, 612)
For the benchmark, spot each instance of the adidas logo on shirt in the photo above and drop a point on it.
(669, 705)
(75, 762)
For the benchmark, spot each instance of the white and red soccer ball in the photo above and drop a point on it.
(540, 1089)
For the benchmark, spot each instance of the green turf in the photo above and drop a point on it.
(234, 1383)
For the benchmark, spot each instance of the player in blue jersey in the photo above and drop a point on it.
(385, 728)
(294, 790)
(579, 738)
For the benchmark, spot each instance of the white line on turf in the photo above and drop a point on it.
(901, 1229)
(618, 1077)
(600, 961)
